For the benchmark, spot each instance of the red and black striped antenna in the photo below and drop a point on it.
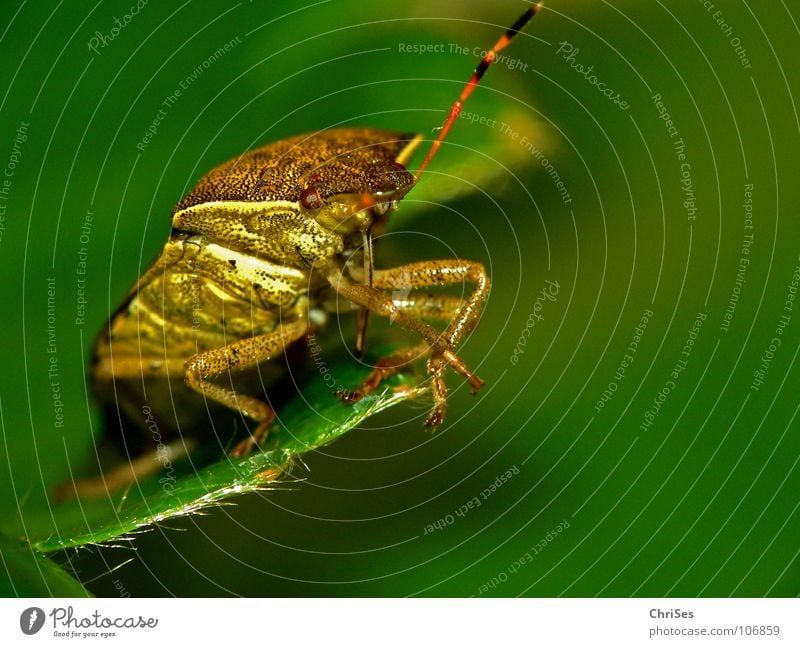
(476, 77)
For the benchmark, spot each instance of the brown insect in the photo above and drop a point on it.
(264, 241)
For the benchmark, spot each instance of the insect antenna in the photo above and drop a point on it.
(480, 70)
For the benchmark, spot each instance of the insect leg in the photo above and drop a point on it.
(124, 475)
(242, 354)
(426, 306)
(432, 307)
(381, 304)
(439, 345)
(433, 273)
(384, 368)
(435, 307)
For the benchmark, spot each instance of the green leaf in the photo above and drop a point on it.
(28, 573)
(315, 417)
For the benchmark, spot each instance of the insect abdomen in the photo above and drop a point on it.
(209, 297)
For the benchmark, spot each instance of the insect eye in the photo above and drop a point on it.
(310, 198)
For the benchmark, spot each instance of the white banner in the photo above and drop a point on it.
(403, 622)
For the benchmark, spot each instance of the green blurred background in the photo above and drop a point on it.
(701, 501)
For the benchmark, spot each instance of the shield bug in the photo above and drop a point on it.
(260, 245)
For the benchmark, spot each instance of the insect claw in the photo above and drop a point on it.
(435, 418)
(475, 384)
(350, 397)
(252, 442)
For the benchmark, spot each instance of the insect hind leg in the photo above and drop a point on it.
(125, 475)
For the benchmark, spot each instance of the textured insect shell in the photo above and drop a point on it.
(336, 161)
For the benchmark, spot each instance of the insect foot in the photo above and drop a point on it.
(384, 369)
(436, 368)
(437, 365)
(254, 441)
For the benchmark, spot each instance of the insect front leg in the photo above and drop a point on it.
(237, 355)
(440, 346)
(427, 306)
(439, 273)
(431, 307)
